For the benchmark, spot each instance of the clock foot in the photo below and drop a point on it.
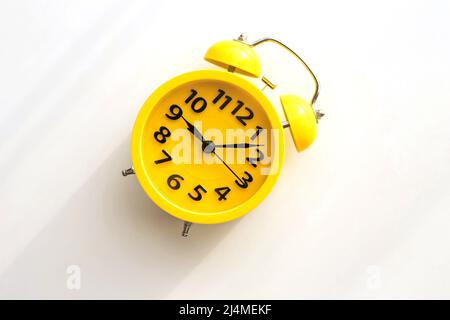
(186, 227)
(128, 171)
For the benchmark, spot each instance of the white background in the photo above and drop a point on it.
(363, 213)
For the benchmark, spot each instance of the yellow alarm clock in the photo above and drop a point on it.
(207, 146)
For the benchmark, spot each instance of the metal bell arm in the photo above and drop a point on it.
(316, 82)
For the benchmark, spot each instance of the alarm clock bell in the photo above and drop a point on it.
(238, 55)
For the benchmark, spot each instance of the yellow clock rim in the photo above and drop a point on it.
(152, 191)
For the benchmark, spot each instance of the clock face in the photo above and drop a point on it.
(207, 147)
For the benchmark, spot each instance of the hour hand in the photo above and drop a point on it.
(192, 129)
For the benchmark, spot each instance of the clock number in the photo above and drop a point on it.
(174, 181)
(167, 158)
(162, 134)
(222, 192)
(198, 189)
(226, 102)
(197, 101)
(246, 117)
(256, 134)
(253, 161)
(199, 104)
(176, 112)
(193, 94)
(238, 107)
(243, 183)
(241, 118)
(219, 96)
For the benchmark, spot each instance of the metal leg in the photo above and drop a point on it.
(186, 227)
(128, 171)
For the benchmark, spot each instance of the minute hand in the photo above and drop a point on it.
(238, 145)
(234, 173)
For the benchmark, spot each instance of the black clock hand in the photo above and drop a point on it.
(192, 129)
(228, 167)
(237, 145)
(207, 145)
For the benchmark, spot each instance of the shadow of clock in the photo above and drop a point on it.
(124, 245)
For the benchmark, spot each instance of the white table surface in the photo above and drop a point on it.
(363, 213)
